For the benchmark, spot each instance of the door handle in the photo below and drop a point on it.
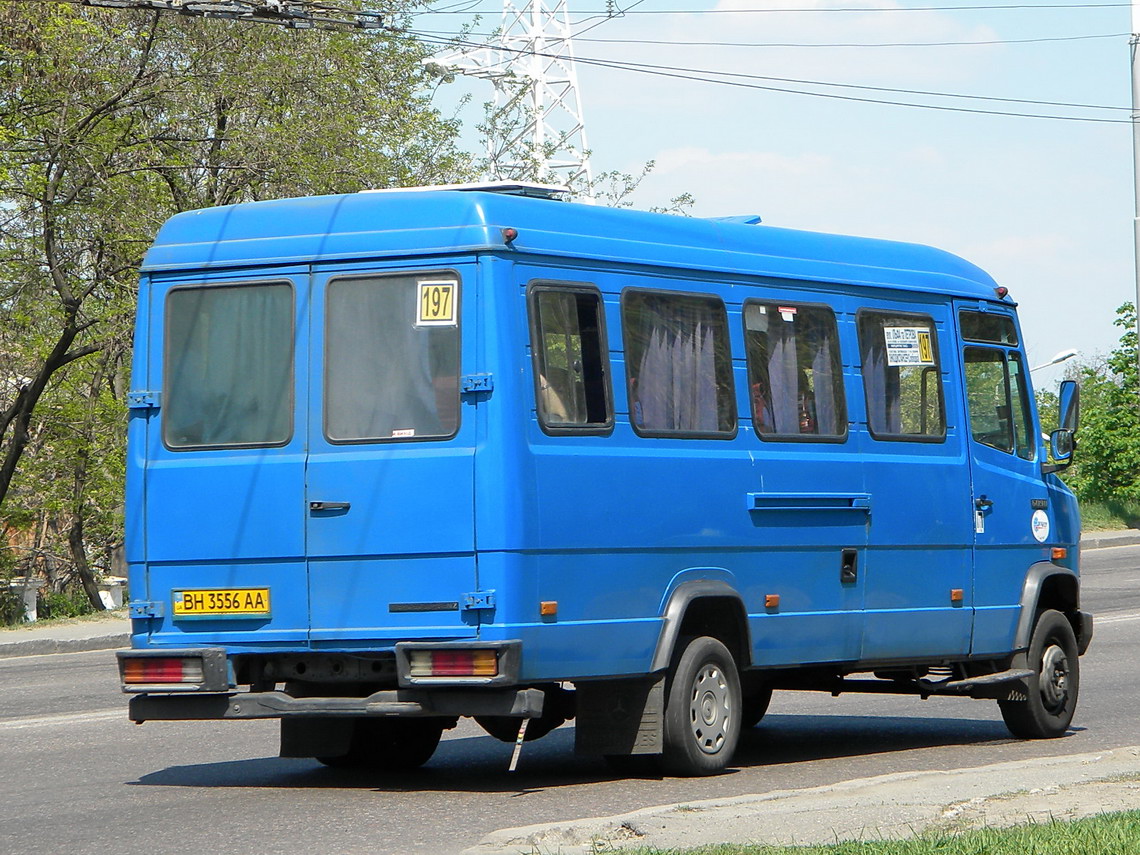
(329, 506)
(983, 504)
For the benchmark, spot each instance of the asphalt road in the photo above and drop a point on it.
(76, 777)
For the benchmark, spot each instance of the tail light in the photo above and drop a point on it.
(453, 663)
(156, 670)
(202, 669)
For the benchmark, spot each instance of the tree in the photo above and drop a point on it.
(110, 122)
(1108, 460)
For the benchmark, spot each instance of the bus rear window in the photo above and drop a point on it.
(392, 358)
(228, 378)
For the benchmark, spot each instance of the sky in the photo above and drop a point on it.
(1044, 205)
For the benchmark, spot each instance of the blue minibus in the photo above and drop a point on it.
(399, 457)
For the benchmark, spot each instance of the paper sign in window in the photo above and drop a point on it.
(908, 346)
(436, 306)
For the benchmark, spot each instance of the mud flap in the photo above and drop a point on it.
(618, 717)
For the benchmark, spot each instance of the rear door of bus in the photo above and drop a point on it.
(390, 480)
(225, 458)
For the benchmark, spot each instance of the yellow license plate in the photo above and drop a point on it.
(221, 602)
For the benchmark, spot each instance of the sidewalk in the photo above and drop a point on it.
(892, 806)
(113, 629)
(107, 631)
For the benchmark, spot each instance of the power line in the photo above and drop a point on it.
(706, 76)
(988, 42)
(300, 15)
(691, 43)
(839, 9)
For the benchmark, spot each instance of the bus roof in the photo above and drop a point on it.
(432, 222)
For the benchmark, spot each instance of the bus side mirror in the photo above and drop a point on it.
(1061, 445)
(1070, 405)
(1063, 441)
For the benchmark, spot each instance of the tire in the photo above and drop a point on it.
(754, 708)
(505, 728)
(703, 706)
(389, 744)
(557, 709)
(1053, 688)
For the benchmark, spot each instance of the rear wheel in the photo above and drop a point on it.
(1048, 710)
(755, 706)
(702, 709)
(389, 744)
(557, 708)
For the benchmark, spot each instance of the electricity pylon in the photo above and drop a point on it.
(535, 131)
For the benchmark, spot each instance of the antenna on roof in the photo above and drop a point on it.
(537, 130)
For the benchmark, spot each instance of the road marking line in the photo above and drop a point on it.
(60, 720)
(1119, 617)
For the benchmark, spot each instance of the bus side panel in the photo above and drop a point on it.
(612, 521)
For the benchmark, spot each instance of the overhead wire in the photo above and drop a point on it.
(849, 9)
(691, 43)
(967, 43)
(725, 78)
(744, 81)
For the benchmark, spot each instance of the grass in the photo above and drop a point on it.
(1109, 516)
(1107, 834)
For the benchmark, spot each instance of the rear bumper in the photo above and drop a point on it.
(202, 670)
(521, 703)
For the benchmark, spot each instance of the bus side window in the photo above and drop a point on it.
(570, 363)
(998, 401)
(795, 376)
(678, 365)
(902, 378)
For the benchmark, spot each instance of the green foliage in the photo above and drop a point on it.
(11, 606)
(110, 122)
(1108, 457)
(63, 604)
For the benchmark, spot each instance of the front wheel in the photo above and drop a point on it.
(703, 709)
(1048, 710)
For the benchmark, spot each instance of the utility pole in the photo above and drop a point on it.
(1135, 46)
(536, 127)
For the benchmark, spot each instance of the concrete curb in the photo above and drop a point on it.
(41, 646)
(889, 806)
(1100, 540)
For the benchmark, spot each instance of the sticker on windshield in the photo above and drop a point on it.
(909, 346)
(1040, 526)
(436, 306)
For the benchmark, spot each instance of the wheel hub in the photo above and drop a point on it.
(1054, 681)
(709, 709)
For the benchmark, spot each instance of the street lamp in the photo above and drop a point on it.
(1063, 356)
